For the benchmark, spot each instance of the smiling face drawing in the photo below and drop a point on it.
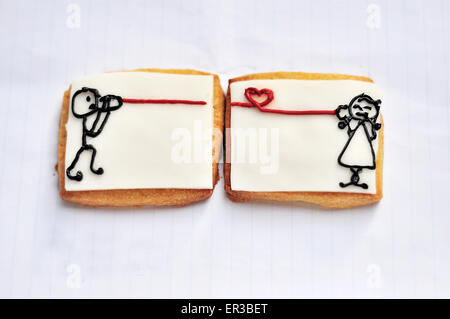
(85, 102)
(362, 107)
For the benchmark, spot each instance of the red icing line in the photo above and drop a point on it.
(249, 92)
(149, 101)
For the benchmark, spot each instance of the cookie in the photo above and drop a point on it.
(142, 137)
(310, 137)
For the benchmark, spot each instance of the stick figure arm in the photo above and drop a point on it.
(350, 124)
(94, 131)
(94, 124)
(340, 112)
(342, 115)
(106, 108)
(374, 128)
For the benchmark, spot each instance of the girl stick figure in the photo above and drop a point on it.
(361, 123)
(85, 104)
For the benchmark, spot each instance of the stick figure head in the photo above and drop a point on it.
(85, 102)
(363, 107)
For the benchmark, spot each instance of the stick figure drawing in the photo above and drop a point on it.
(85, 103)
(360, 119)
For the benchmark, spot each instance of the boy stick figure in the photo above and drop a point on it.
(85, 104)
(361, 123)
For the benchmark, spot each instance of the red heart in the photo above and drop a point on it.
(249, 92)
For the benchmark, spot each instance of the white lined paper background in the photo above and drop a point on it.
(217, 248)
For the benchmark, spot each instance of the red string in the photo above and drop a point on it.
(249, 92)
(149, 101)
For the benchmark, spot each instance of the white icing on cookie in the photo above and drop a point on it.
(298, 152)
(137, 145)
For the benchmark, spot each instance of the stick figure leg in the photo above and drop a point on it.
(98, 171)
(354, 179)
(79, 175)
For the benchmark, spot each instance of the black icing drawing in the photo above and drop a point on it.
(361, 122)
(85, 103)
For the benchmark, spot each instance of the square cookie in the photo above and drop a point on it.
(309, 137)
(143, 137)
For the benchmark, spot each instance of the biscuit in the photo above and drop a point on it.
(323, 159)
(127, 159)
